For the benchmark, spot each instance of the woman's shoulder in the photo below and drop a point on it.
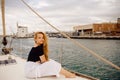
(37, 46)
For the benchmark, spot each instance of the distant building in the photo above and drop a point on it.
(83, 29)
(118, 22)
(22, 31)
(58, 35)
(108, 29)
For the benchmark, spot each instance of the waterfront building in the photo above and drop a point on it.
(107, 29)
(22, 31)
(118, 22)
(83, 30)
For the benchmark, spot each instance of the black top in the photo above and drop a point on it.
(35, 53)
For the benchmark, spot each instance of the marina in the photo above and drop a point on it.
(90, 58)
(19, 64)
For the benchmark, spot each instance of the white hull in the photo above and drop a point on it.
(15, 71)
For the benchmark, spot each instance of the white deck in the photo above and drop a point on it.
(16, 71)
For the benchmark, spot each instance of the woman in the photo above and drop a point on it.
(39, 65)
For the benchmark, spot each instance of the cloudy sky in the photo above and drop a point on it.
(64, 14)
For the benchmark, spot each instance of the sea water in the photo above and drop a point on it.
(75, 58)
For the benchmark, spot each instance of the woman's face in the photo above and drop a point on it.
(40, 39)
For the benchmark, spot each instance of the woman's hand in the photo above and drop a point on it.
(43, 59)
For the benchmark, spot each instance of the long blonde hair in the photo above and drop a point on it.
(45, 44)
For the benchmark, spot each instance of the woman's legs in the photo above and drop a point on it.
(67, 74)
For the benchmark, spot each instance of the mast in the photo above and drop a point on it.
(3, 22)
(4, 41)
(3, 16)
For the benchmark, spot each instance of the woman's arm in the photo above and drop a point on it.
(42, 58)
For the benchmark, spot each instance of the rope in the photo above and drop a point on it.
(74, 41)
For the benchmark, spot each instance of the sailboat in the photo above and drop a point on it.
(12, 66)
(14, 69)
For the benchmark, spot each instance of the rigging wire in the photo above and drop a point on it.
(74, 41)
(12, 37)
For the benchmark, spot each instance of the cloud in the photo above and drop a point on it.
(63, 14)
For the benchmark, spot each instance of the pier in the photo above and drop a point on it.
(96, 37)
